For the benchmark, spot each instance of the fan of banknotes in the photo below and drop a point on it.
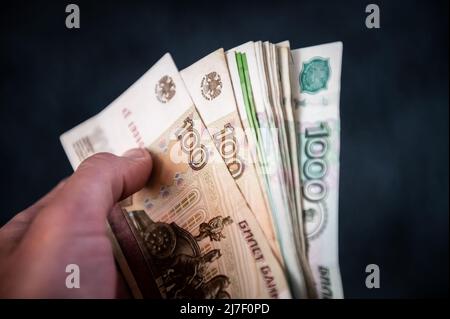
(243, 197)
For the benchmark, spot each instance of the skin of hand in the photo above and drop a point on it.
(68, 226)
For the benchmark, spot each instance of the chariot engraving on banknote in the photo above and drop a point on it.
(181, 269)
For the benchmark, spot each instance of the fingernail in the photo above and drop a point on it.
(136, 153)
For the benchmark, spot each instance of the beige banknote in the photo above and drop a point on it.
(189, 233)
(209, 85)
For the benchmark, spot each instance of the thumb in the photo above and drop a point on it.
(97, 185)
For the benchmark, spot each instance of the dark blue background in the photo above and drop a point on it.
(394, 108)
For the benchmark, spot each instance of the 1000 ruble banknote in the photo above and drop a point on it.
(316, 85)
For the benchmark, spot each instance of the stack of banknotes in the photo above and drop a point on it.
(243, 197)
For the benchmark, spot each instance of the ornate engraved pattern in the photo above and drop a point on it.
(211, 86)
(165, 89)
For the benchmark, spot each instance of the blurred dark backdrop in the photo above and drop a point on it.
(394, 108)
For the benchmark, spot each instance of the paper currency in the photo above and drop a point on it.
(209, 85)
(244, 71)
(243, 197)
(189, 233)
(288, 114)
(315, 80)
(284, 59)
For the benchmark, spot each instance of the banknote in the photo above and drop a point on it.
(284, 58)
(273, 99)
(269, 80)
(315, 82)
(244, 72)
(189, 233)
(288, 115)
(209, 85)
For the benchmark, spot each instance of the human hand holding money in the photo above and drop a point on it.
(242, 202)
(67, 226)
(189, 233)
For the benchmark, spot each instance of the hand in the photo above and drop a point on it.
(68, 226)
